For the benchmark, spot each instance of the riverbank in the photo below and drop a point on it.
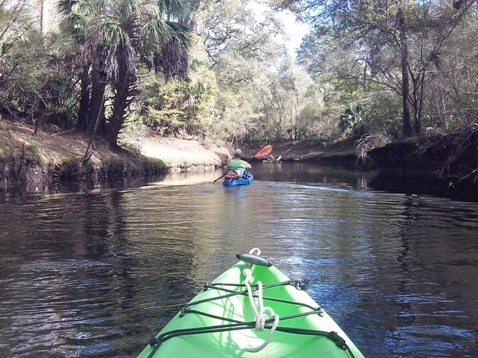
(440, 165)
(46, 160)
(35, 163)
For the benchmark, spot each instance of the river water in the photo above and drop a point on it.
(97, 273)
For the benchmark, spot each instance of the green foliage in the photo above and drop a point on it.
(6, 131)
(255, 98)
(354, 119)
(32, 152)
(15, 22)
(240, 83)
(236, 82)
(40, 85)
(134, 126)
(177, 108)
(117, 37)
(422, 61)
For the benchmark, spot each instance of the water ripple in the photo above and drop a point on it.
(96, 274)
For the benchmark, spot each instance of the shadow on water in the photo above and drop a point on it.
(26, 191)
(397, 182)
(292, 172)
(378, 180)
(308, 173)
(29, 190)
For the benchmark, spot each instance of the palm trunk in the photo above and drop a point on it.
(84, 104)
(123, 87)
(98, 88)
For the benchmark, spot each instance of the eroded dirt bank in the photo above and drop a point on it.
(47, 160)
(440, 165)
(40, 162)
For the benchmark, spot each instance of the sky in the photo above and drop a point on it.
(294, 29)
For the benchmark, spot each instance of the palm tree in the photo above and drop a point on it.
(116, 37)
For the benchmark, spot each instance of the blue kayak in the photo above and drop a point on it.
(233, 180)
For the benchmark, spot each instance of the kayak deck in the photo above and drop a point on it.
(221, 321)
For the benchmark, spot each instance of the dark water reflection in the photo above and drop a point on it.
(95, 274)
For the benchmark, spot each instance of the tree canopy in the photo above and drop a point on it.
(219, 69)
(405, 48)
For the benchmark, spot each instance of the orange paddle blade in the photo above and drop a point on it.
(264, 151)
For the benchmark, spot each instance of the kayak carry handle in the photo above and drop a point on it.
(254, 260)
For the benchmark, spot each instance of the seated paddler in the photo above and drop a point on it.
(236, 167)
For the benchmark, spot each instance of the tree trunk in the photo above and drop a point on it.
(419, 112)
(407, 127)
(98, 88)
(123, 86)
(84, 104)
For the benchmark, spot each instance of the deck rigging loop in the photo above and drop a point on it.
(255, 251)
(262, 314)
